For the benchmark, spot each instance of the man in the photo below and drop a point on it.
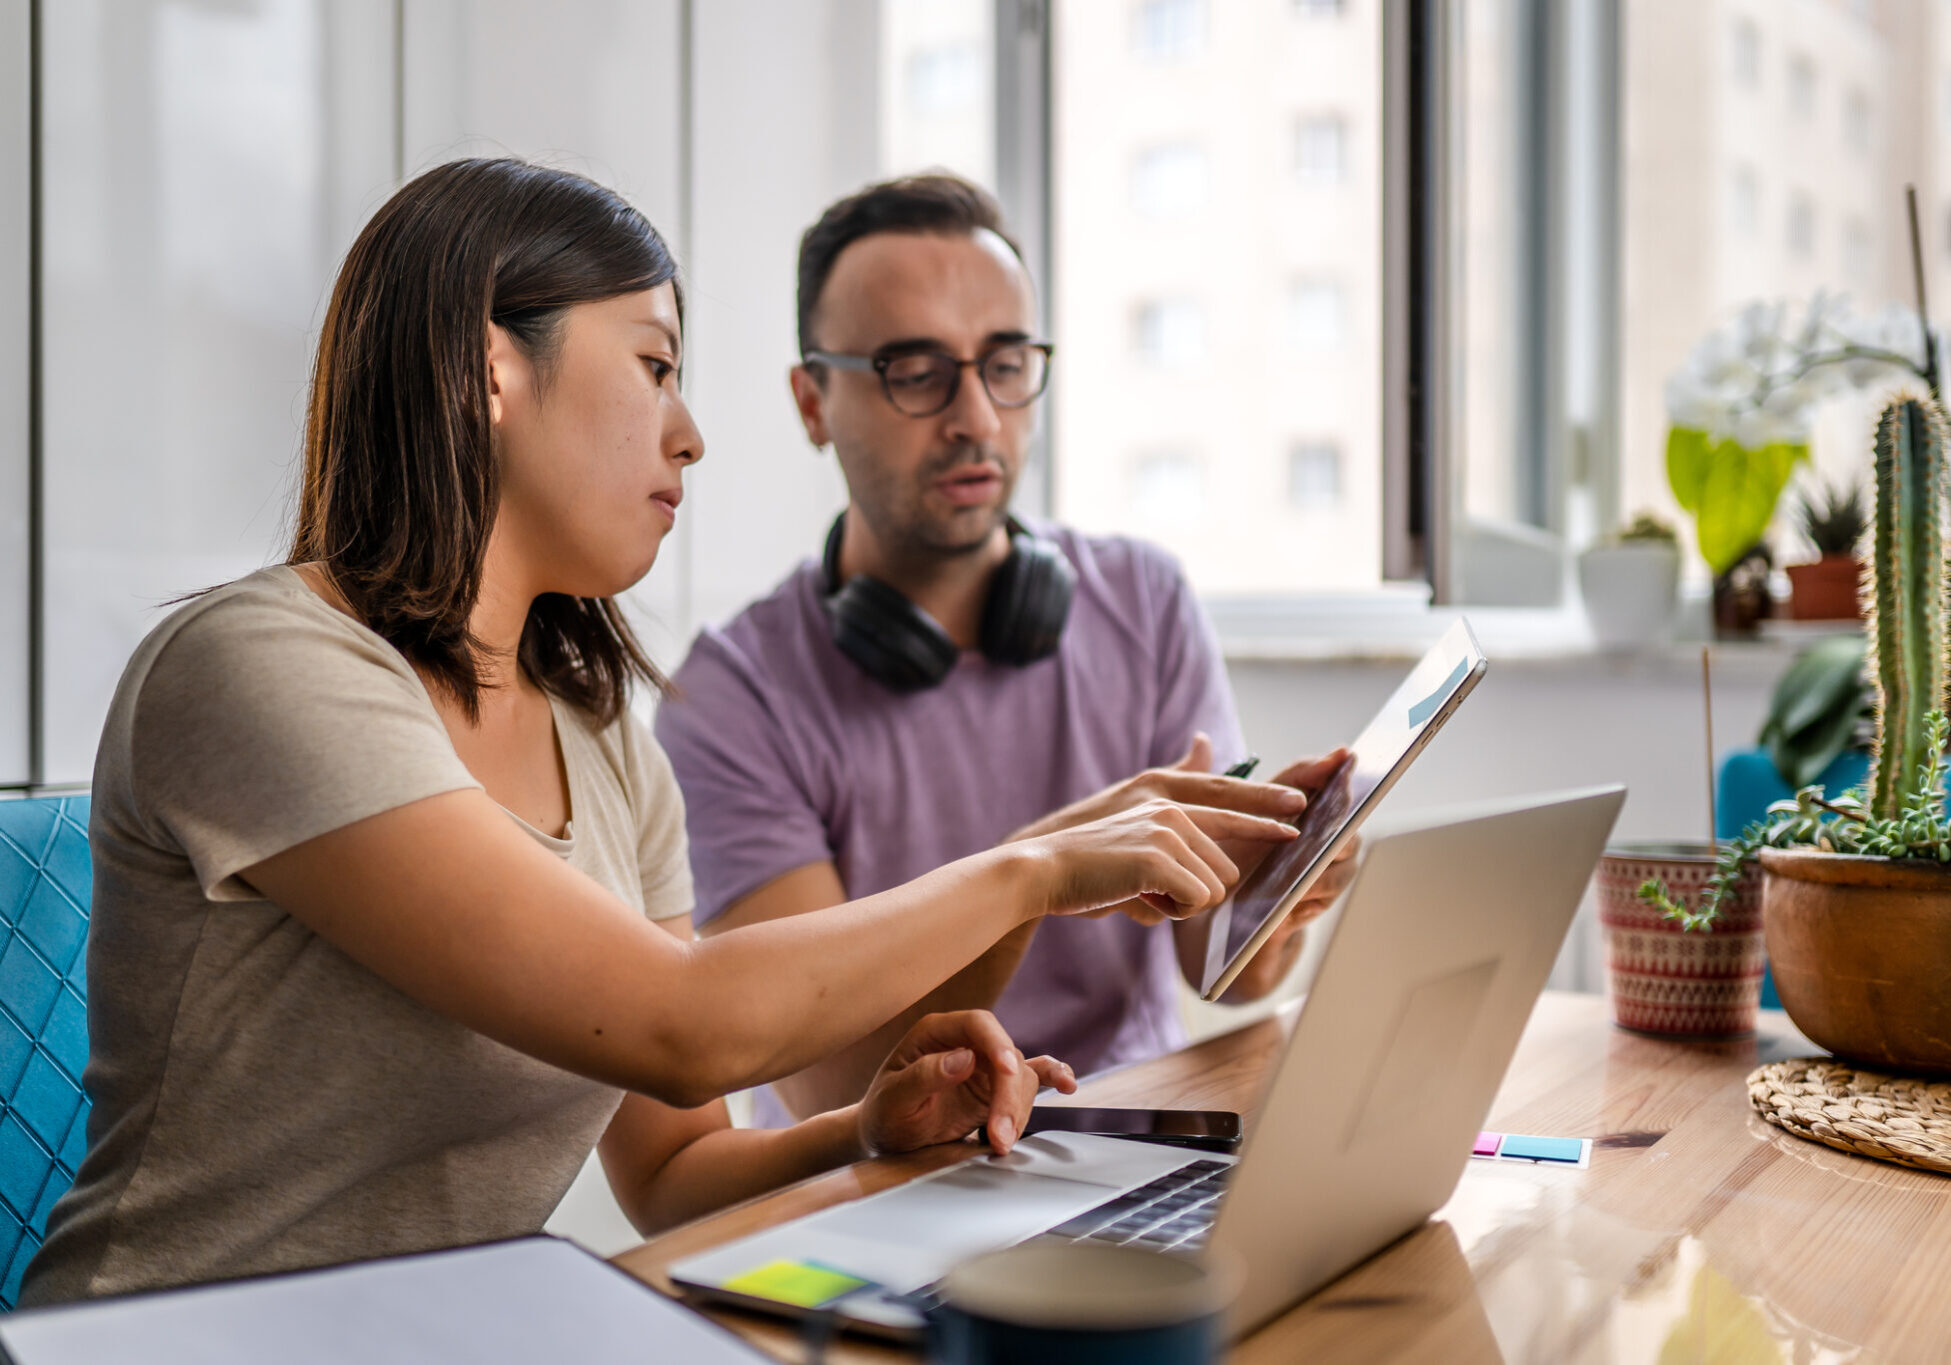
(943, 680)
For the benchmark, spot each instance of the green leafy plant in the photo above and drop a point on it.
(1900, 814)
(1835, 524)
(1818, 709)
(1741, 408)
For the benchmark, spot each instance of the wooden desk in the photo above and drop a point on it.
(1698, 1233)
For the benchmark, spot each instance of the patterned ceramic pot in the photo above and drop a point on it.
(1670, 981)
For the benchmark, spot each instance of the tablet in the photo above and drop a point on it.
(1382, 753)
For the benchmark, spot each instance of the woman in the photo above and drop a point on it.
(390, 891)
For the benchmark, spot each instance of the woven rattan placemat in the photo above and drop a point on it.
(1868, 1113)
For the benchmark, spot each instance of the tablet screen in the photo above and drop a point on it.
(1381, 751)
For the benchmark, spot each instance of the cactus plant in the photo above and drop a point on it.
(1906, 595)
(1902, 813)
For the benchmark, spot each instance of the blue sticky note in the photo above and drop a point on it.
(1542, 1148)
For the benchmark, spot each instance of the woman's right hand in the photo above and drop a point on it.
(1153, 861)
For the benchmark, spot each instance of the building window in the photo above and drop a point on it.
(1169, 332)
(1744, 201)
(1169, 181)
(1314, 475)
(1802, 86)
(1168, 487)
(1168, 30)
(1858, 252)
(944, 80)
(1317, 315)
(1321, 149)
(1319, 9)
(1859, 123)
(1745, 53)
(1801, 224)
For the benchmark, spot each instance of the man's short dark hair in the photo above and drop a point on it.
(932, 203)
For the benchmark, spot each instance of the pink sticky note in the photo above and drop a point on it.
(1486, 1144)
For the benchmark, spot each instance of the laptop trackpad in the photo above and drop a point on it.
(969, 1209)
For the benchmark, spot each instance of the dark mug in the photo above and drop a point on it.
(1081, 1304)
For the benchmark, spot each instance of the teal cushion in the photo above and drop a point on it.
(44, 890)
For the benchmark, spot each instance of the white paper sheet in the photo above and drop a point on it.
(535, 1299)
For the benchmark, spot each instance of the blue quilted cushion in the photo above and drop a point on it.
(44, 888)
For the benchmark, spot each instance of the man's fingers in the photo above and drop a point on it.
(1312, 774)
(1199, 757)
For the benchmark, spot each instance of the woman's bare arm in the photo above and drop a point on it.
(448, 901)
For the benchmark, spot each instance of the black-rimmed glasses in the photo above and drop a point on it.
(924, 383)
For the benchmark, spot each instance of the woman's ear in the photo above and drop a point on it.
(509, 374)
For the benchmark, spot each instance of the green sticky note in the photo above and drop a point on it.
(803, 1284)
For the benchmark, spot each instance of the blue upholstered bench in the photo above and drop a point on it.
(44, 890)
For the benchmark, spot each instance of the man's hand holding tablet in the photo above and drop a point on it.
(1230, 938)
(1282, 949)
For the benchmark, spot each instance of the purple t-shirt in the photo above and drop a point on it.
(788, 754)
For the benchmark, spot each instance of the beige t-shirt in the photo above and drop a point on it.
(262, 1102)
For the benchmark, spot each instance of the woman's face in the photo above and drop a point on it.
(592, 447)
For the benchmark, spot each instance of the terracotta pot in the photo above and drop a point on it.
(1862, 954)
(1828, 590)
(1674, 982)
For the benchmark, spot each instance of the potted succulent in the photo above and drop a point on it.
(1630, 583)
(1856, 893)
(1831, 588)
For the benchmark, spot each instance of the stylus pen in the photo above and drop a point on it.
(1244, 767)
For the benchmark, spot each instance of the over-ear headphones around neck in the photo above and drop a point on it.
(897, 643)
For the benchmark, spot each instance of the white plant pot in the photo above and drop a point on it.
(1630, 593)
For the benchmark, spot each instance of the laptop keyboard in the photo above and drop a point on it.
(1173, 1213)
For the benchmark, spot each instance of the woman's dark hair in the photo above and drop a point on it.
(401, 482)
(935, 202)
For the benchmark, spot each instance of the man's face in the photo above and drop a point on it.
(937, 485)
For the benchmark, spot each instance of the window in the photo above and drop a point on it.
(1317, 315)
(1744, 201)
(1859, 123)
(1314, 475)
(1321, 149)
(1829, 202)
(1744, 53)
(1191, 364)
(1169, 181)
(1802, 86)
(1168, 488)
(1318, 9)
(938, 78)
(1858, 253)
(1170, 333)
(1168, 30)
(1801, 224)
(946, 80)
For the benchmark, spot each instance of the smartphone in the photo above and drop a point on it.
(1212, 1130)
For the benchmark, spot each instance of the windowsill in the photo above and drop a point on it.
(1397, 623)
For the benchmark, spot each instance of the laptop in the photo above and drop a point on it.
(1434, 966)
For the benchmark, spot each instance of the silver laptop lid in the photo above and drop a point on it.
(1435, 965)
